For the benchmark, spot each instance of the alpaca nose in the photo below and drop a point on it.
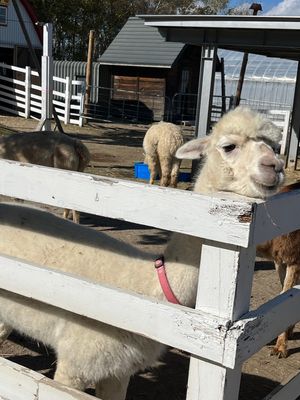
(271, 161)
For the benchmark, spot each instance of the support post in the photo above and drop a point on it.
(89, 71)
(293, 142)
(241, 80)
(223, 87)
(35, 61)
(205, 94)
(68, 95)
(82, 97)
(47, 78)
(27, 91)
(224, 290)
(255, 7)
(205, 89)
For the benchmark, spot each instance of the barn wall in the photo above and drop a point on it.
(11, 34)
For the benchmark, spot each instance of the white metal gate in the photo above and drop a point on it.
(21, 95)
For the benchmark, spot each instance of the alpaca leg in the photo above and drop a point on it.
(281, 270)
(63, 375)
(291, 279)
(112, 389)
(175, 172)
(76, 216)
(165, 164)
(66, 213)
(152, 165)
(5, 330)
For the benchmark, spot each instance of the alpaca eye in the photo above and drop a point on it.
(229, 147)
(276, 149)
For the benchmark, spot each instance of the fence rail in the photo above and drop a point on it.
(221, 330)
(23, 97)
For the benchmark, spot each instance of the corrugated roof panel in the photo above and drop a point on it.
(76, 69)
(137, 44)
(259, 67)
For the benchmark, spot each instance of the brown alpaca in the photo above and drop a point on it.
(285, 252)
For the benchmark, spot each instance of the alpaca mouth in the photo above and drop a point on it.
(267, 188)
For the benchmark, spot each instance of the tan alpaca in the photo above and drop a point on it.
(48, 149)
(91, 352)
(160, 144)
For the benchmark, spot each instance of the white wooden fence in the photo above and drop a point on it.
(19, 95)
(221, 333)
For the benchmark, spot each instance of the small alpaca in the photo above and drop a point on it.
(160, 145)
(48, 149)
(237, 157)
(285, 252)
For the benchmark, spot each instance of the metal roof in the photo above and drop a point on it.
(271, 36)
(140, 45)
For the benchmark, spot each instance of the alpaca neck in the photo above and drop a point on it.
(184, 249)
(182, 257)
(183, 252)
(209, 180)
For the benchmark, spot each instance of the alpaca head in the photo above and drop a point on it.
(239, 155)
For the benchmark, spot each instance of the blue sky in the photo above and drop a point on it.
(275, 7)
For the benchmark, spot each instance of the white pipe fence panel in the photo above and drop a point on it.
(69, 112)
(220, 333)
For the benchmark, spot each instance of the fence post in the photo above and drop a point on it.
(82, 100)
(68, 96)
(27, 91)
(224, 290)
(47, 77)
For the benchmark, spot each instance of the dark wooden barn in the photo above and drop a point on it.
(158, 77)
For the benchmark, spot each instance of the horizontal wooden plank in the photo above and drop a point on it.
(58, 79)
(11, 96)
(74, 121)
(222, 218)
(12, 67)
(17, 382)
(260, 326)
(187, 329)
(271, 218)
(12, 89)
(36, 110)
(16, 81)
(12, 111)
(36, 87)
(35, 96)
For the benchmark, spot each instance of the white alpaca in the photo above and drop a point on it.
(238, 157)
(160, 144)
(49, 149)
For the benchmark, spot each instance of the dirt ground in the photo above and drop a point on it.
(114, 150)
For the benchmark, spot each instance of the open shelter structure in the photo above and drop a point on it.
(265, 35)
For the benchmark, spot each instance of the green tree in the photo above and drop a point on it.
(72, 20)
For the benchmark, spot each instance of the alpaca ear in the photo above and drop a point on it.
(193, 149)
(270, 131)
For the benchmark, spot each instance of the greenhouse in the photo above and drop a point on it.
(269, 83)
